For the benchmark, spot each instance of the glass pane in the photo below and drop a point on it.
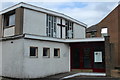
(33, 51)
(46, 52)
(56, 52)
(51, 25)
(12, 20)
(104, 32)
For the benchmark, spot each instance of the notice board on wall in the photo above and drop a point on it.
(98, 56)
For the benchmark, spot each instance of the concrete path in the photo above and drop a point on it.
(79, 76)
(74, 76)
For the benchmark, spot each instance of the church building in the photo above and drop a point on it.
(36, 42)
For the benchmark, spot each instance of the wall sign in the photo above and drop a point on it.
(98, 56)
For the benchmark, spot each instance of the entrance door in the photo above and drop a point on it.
(81, 58)
(75, 61)
(87, 58)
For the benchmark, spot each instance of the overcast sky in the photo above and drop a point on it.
(89, 13)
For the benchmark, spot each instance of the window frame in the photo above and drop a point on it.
(36, 54)
(48, 54)
(7, 19)
(69, 27)
(58, 50)
(103, 34)
(51, 24)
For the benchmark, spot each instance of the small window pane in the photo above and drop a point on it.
(33, 51)
(56, 52)
(51, 25)
(12, 20)
(69, 29)
(46, 52)
(104, 32)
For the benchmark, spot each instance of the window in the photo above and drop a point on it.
(104, 32)
(69, 29)
(46, 52)
(9, 19)
(51, 26)
(33, 51)
(93, 34)
(57, 52)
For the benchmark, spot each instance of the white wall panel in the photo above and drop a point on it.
(9, 31)
(78, 31)
(41, 66)
(34, 22)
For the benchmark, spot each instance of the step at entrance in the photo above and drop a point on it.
(85, 74)
(82, 70)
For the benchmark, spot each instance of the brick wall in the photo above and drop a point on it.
(112, 23)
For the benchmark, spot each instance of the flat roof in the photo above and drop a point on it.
(29, 6)
(36, 37)
(45, 38)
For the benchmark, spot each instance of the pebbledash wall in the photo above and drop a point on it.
(12, 58)
(42, 66)
(17, 63)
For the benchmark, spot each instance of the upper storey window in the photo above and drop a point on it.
(51, 26)
(69, 29)
(104, 32)
(9, 19)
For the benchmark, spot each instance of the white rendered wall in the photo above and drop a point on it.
(9, 31)
(78, 31)
(0, 58)
(34, 22)
(41, 66)
(12, 58)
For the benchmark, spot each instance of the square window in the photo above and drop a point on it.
(46, 52)
(10, 19)
(104, 32)
(33, 51)
(57, 52)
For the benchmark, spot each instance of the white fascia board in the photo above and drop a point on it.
(10, 8)
(42, 10)
(53, 13)
(43, 38)
(85, 40)
(63, 40)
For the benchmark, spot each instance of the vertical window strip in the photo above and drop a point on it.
(51, 26)
(55, 24)
(47, 23)
(72, 30)
(69, 29)
(66, 27)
